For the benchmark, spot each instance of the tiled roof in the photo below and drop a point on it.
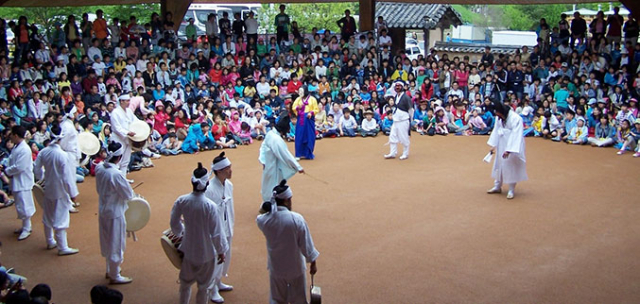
(416, 15)
(473, 48)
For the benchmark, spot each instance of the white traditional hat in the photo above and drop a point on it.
(125, 97)
(141, 129)
(88, 143)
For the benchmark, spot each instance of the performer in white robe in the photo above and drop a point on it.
(20, 169)
(51, 164)
(507, 142)
(220, 192)
(401, 127)
(113, 194)
(276, 160)
(289, 247)
(121, 118)
(69, 144)
(203, 237)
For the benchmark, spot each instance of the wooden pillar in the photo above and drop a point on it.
(633, 6)
(427, 43)
(397, 37)
(367, 15)
(177, 8)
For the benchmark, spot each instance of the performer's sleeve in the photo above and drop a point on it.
(126, 192)
(314, 106)
(217, 233)
(516, 137)
(176, 214)
(67, 183)
(494, 137)
(305, 242)
(117, 126)
(282, 152)
(21, 164)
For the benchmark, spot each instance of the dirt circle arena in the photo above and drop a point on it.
(421, 230)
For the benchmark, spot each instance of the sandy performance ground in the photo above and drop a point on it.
(416, 231)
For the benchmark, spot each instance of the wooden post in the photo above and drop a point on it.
(367, 15)
(427, 43)
(177, 8)
(633, 6)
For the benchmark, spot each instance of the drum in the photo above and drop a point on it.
(88, 143)
(142, 131)
(170, 243)
(38, 194)
(137, 215)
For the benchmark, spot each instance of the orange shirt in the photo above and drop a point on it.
(100, 28)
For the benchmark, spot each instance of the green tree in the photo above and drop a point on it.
(308, 16)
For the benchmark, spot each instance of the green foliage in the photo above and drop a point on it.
(46, 16)
(517, 17)
(308, 16)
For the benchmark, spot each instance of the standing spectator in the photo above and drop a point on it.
(282, 24)
(598, 27)
(238, 26)
(563, 26)
(87, 29)
(71, 31)
(347, 25)
(381, 25)
(631, 30)
(251, 27)
(211, 27)
(578, 29)
(225, 26)
(100, 26)
(615, 22)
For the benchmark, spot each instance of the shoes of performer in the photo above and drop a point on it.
(75, 204)
(389, 156)
(68, 251)
(120, 280)
(52, 246)
(155, 156)
(637, 154)
(510, 195)
(130, 181)
(403, 157)
(216, 297)
(24, 235)
(73, 210)
(17, 231)
(224, 287)
(298, 158)
(494, 190)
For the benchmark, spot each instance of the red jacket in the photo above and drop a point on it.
(293, 86)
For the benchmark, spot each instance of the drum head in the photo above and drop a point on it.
(38, 194)
(171, 251)
(138, 214)
(141, 129)
(88, 143)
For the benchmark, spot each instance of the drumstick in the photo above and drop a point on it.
(317, 179)
(138, 185)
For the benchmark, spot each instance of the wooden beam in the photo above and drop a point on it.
(367, 15)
